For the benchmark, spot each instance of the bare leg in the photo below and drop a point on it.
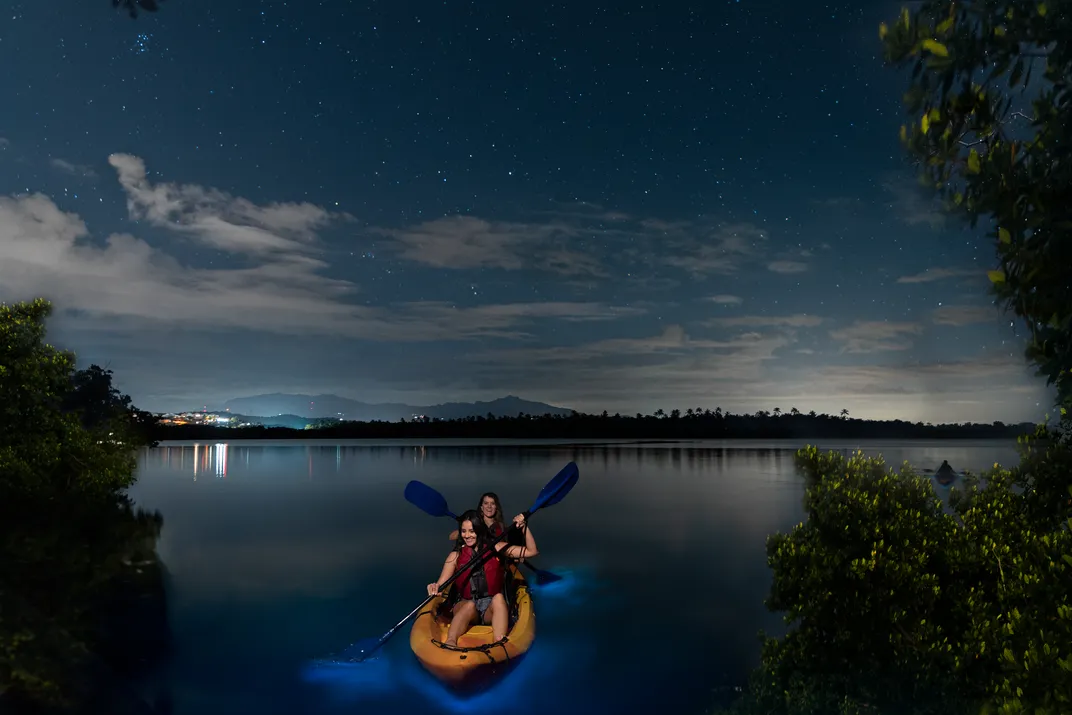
(463, 616)
(499, 615)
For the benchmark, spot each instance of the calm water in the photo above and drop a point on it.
(282, 553)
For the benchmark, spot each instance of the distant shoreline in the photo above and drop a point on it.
(652, 431)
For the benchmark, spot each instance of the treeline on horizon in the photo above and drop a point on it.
(693, 424)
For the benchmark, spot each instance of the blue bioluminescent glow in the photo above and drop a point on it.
(395, 672)
(373, 677)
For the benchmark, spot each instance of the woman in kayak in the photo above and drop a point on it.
(480, 589)
(490, 509)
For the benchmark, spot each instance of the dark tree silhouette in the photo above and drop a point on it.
(997, 147)
(134, 6)
(711, 425)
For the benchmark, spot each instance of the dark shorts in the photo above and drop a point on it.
(482, 605)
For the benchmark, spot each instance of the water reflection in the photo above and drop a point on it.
(306, 547)
(85, 584)
(322, 459)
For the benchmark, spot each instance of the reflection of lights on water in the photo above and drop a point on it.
(221, 459)
(214, 458)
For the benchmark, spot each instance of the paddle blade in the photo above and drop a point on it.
(361, 650)
(563, 490)
(543, 577)
(427, 499)
(561, 482)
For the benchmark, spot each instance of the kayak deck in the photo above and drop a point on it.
(476, 659)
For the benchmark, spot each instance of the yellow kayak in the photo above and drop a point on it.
(476, 659)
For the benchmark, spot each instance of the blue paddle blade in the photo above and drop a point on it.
(563, 490)
(557, 488)
(427, 499)
(543, 577)
(356, 651)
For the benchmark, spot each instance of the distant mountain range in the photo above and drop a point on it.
(317, 406)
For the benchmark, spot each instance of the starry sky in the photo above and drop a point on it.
(623, 206)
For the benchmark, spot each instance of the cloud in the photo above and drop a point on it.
(876, 336)
(701, 251)
(469, 242)
(940, 391)
(787, 266)
(930, 275)
(913, 205)
(726, 299)
(838, 202)
(279, 286)
(4, 142)
(218, 220)
(581, 240)
(964, 314)
(81, 170)
(667, 366)
(799, 320)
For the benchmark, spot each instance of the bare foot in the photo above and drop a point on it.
(451, 642)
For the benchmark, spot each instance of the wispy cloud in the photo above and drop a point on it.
(80, 170)
(666, 366)
(281, 286)
(726, 299)
(787, 266)
(702, 251)
(585, 241)
(964, 314)
(799, 320)
(468, 242)
(938, 391)
(876, 336)
(286, 231)
(929, 275)
(912, 204)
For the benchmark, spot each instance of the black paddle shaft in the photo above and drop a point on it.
(479, 561)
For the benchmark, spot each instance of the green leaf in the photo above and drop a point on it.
(996, 276)
(936, 48)
(1004, 236)
(974, 165)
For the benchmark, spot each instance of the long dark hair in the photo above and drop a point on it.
(481, 529)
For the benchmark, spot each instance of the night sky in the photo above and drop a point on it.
(616, 206)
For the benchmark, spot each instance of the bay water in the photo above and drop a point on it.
(279, 554)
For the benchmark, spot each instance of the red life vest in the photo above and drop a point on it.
(488, 583)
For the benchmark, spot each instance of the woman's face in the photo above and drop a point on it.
(488, 508)
(468, 533)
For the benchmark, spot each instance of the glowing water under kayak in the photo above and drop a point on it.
(476, 659)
